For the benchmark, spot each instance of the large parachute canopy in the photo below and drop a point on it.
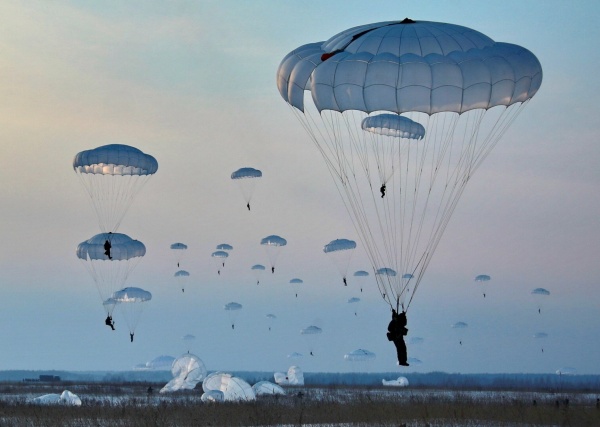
(246, 179)
(294, 376)
(233, 388)
(460, 88)
(273, 245)
(110, 274)
(131, 302)
(187, 370)
(340, 252)
(267, 388)
(112, 175)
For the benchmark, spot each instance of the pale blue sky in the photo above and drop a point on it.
(193, 83)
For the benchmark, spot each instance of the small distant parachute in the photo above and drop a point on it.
(271, 318)
(131, 302)
(219, 258)
(187, 370)
(483, 280)
(413, 361)
(178, 250)
(540, 335)
(257, 269)
(340, 252)
(246, 178)
(188, 339)
(295, 355)
(353, 302)
(232, 309)
(224, 247)
(361, 278)
(311, 334)
(540, 295)
(181, 277)
(110, 273)
(112, 175)
(359, 355)
(273, 245)
(460, 327)
(295, 285)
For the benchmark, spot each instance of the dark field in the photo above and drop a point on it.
(128, 404)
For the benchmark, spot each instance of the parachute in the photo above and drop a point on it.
(340, 252)
(361, 278)
(540, 295)
(188, 339)
(273, 245)
(219, 258)
(245, 177)
(131, 302)
(294, 376)
(271, 318)
(460, 327)
(224, 247)
(233, 388)
(187, 370)
(311, 334)
(181, 277)
(113, 175)
(483, 280)
(295, 285)
(178, 249)
(110, 274)
(353, 302)
(461, 87)
(257, 269)
(232, 309)
(267, 388)
(359, 355)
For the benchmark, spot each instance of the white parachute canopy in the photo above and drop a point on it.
(110, 274)
(178, 250)
(400, 382)
(340, 252)
(359, 355)
(233, 388)
(294, 376)
(131, 302)
(160, 363)
(65, 398)
(460, 88)
(112, 175)
(273, 245)
(246, 179)
(187, 370)
(267, 388)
